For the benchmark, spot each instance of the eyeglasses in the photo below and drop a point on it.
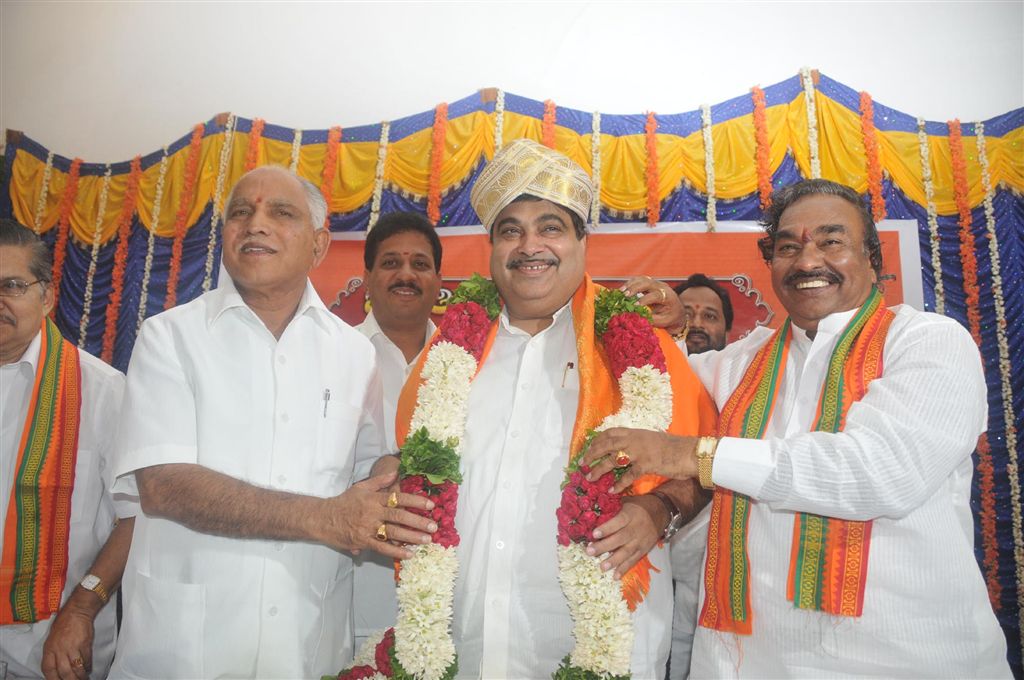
(16, 287)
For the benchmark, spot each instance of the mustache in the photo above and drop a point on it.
(826, 274)
(695, 332)
(520, 261)
(8, 319)
(405, 284)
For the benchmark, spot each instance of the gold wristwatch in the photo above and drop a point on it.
(706, 447)
(93, 583)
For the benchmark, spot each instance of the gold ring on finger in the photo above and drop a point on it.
(382, 532)
(663, 296)
(622, 459)
(78, 662)
(393, 500)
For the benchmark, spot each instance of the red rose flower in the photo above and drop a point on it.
(357, 673)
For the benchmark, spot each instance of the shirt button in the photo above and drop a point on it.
(526, 386)
(272, 611)
(500, 545)
(279, 546)
(281, 359)
(514, 434)
(284, 418)
(281, 479)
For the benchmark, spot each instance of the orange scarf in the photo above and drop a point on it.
(693, 412)
(34, 561)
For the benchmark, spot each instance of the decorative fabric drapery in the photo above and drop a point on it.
(125, 231)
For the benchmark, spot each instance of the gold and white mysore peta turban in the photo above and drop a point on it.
(526, 167)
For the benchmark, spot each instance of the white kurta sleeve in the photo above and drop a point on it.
(916, 424)
(370, 441)
(158, 420)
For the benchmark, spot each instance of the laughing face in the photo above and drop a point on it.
(270, 243)
(819, 264)
(404, 283)
(537, 262)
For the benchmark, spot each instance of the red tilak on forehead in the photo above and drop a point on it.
(806, 236)
(259, 199)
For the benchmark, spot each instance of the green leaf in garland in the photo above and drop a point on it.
(437, 461)
(481, 291)
(566, 671)
(611, 302)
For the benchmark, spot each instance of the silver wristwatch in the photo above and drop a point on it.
(675, 518)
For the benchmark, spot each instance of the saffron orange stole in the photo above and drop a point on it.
(693, 412)
(34, 561)
(829, 557)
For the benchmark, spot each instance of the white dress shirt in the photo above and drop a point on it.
(208, 384)
(902, 460)
(92, 508)
(374, 604)
(511, 618)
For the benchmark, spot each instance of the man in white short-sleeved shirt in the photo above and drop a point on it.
(249, 413)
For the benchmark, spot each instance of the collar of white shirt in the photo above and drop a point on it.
(370, 328)
(226, 297)
(828, 328)
(557, 319)
(30, 357)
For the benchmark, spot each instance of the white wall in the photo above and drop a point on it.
(106, 80)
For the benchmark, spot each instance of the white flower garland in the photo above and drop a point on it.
(499, 121)
(933, 215)
(378, 174)
(83, 322)
(296, 148)
(602, 622)
(158, 198)
(595, 161)
(1009, 418)
(218, 198)
(426, 589)
(709, 165)
(44, 192)
(812, 122)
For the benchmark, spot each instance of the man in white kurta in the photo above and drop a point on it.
(248, 414)
(901, 459)
(23, 646)
(402, 279)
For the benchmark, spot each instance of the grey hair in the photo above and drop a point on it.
(40, 263)
(315, 200)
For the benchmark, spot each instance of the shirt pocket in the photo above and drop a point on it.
(334, 448)
(163, 631)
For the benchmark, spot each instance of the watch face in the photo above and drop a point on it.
(90, 581)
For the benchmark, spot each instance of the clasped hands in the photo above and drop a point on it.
(640, 452)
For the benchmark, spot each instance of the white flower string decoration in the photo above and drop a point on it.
(296, 148)
(812, 122)
(595, 162)
(44, 193)
(499, 121)
(1005, 374)
(378, 174)
(218, 199)
(709, 165)
(933, 215)
(97, 230)
(158, 197)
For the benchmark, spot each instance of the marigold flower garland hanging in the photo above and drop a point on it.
(158, 198)
(293, 164)
(499, 121)
(218, 200)
(812, 122)
(602, 622)
(1005, 371)
(97, 230)
(969, 265)
(709, 166)
(874, 165)
(181, 218)
(547, 130)
(60, 247)
(595, 162)
(252, 152)
(330, 169)
(44, 194)
(436, 161)
(378, 174)
(653, 203)
(420, 645)
(124, 233)
(933, 215)
(762, 153)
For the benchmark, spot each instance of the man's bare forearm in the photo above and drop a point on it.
(688, 495)
(214, 503)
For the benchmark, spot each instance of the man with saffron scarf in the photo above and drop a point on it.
(62, 555)
(511, 619)
(840, 537)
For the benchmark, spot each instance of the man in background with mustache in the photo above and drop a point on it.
(402, 278)
(840, 535)
(708, 313)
